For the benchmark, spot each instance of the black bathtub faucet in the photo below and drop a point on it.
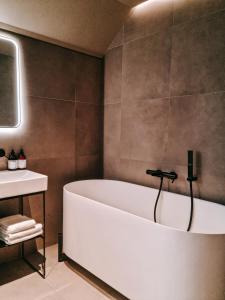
(158, 173)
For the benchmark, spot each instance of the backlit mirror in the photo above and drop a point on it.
(10, 110)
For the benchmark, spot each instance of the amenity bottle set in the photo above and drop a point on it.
(15, 161)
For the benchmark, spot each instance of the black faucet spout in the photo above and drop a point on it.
(157, 173)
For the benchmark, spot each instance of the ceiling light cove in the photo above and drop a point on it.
(142, 5)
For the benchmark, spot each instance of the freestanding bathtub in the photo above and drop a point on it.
(108, 229)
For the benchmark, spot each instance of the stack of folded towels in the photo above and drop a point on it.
(18, 228)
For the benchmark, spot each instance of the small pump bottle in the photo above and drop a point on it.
(3, 160)
(12, 161)
(22, 162)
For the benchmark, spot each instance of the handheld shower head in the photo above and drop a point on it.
(191, 166)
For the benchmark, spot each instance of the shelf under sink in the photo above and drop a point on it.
(3, 244)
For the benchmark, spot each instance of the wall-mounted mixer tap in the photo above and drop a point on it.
(161, 174)
(158, 173)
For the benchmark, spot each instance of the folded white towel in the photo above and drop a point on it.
(12, 236)
(16, 223)
(12, 242)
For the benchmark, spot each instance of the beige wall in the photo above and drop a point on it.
(165, 94)
(61, 133)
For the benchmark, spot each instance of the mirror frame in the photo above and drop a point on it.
(15, 43)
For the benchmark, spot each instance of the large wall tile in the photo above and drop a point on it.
(211, 187)
(188, 10)
(113, 75)
(144, 130)
(88, 128)
(111, 167)
(151, 18)
(198, 64)
(49, 70)
(49, 123)
(89, 166)
(197, 122)
(112, 133)
(89, 79)
(146, 66)
(201, 128)
(112, 129)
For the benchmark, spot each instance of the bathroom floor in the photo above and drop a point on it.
(64, 281)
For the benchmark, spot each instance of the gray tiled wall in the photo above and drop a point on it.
(165, 94)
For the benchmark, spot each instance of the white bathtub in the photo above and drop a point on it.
(108, 229)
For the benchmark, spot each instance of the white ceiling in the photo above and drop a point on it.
(85, 25)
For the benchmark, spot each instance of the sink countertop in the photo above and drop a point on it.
(21, 182)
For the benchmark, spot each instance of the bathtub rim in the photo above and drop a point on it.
(160, 226)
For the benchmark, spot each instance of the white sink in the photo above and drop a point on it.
(21, 182)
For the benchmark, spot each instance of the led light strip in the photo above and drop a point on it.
(18, 80)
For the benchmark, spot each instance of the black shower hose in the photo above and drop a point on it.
(192, 206)
(157, 199)
(192, 203)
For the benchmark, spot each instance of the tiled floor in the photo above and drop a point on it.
(64, 281)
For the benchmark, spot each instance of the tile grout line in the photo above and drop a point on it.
(49, 98)
(121, 93)
(172, 96)
(87, 102)
(63, 100)
(170, 99)
(199, 94)
(108, 50)
(75, 133)
(112, 103)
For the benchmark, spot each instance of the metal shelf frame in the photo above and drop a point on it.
(42, 273)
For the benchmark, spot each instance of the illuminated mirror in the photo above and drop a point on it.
(10, 104)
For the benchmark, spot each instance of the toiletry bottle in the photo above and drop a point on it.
(22, 162)
(3, 160)
(12, 161)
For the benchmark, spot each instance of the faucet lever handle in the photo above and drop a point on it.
(173, 176)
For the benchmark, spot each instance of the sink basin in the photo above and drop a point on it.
(21, 182)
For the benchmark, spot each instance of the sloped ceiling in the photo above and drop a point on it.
(85, 25)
